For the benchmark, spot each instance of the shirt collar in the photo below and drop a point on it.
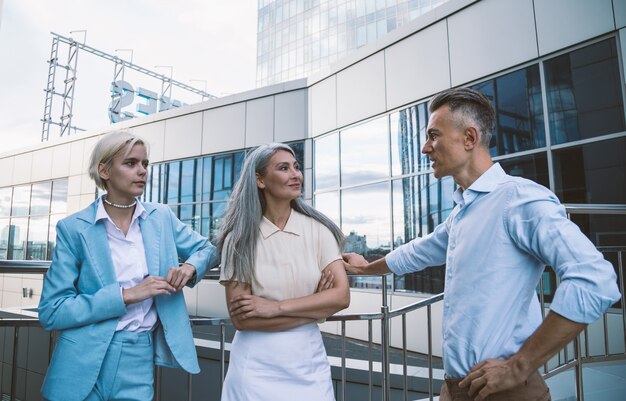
(293, 226)
(101, 212)
(487, 182)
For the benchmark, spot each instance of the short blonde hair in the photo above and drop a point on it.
(107, 148)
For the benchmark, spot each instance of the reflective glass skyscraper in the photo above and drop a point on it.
(296, 38)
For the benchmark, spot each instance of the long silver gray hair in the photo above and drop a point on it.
(245, 211)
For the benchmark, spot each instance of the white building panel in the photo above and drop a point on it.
(154, 134)
(361, 90)
(183, 137)
(42, 165)
(224, 128)
(77, 154)
(490, 36)
(561, 23)
(323, 106)
(290, 116)
(418, 66)
(619, 10)
(259, 121)
(60, 155)
(6, 167)
(22, 168)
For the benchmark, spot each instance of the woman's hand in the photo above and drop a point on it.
(248, 306)
(326, 280)
(150, 286)
(178, 277)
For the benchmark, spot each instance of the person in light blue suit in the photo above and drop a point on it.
(114, 288)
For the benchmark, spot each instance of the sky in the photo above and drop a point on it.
(201, 40)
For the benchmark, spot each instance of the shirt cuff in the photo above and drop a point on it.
(579, 304)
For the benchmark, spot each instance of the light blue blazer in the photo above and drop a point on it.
(82, 298)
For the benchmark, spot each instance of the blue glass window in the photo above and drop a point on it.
(534, 167)
(584, 93)
(365, 152)
(591, 173)
(326, 167)
(516, 98)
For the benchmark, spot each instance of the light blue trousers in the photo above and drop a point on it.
(127, 372)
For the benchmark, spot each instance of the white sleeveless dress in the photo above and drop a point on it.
(290, 364)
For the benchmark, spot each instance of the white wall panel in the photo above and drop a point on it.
(561, 23)
(87, 185)
(42, 165)
(183, 137)
(154, 134)
(22, 168)
(77, 154)
(88, 144)
(6, 169)
(323, 106)
(259, 121)
(490, 36)
(60, 160)
(418, 66)
(74, 186)
(619, 10)
(224, 128)
(361, 90)
(290, 116)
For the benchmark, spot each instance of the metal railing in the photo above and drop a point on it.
(563, 361)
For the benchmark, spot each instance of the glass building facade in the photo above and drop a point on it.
(28, 217)
(296, 38)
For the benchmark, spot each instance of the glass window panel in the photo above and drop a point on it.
(218, 174)
(4, 237)
(21, 200)
(198, 180)
(40, 198)
(52, 233)
(5, 201)
(408, 130)
(430, 281)
(405, 210)
(59, 197)
(238, 159)
(17, 238)
(37, 238)
(591, 173)
(435, 200)
(188, 181)
(326, 162)
(173, 182)
(207, 177)
(602, 230)
(366, 218)
(516, 98)
(365, 152)
(188, 216)
(212, 214)
(584, 93)
(328, 203)
(534, 167)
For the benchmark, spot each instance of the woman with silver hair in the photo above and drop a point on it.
(114, 288)
(274, 247)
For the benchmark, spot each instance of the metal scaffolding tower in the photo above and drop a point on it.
(67, 96)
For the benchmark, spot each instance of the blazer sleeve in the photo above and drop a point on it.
(193, 248)
(62, 305)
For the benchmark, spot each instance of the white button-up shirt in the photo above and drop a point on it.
(129, 262)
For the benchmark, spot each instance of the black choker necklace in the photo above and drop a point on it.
(119, 206)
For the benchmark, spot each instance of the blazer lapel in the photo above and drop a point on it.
(97, 243)
(151, 233)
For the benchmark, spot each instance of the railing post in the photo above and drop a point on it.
(384, 342)
(14, 365)
(222, 355)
